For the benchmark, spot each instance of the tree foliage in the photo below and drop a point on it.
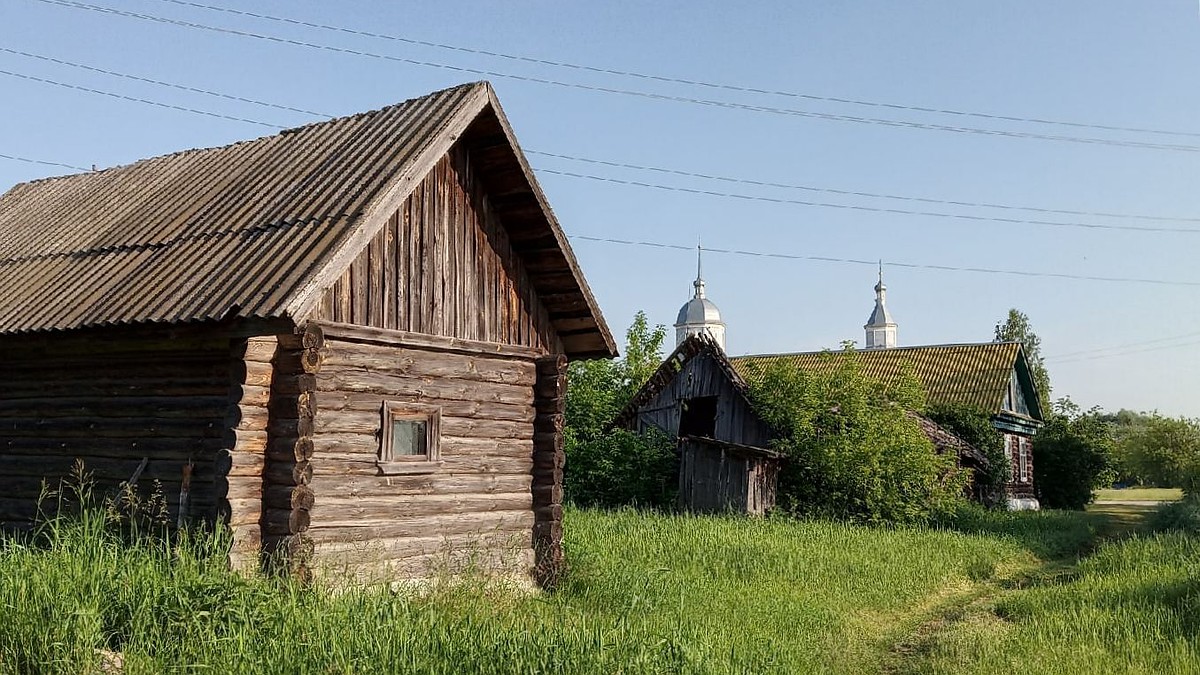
(1163, 451)
(974, 425)
(854, 451)
(1072, 457)
(616, 467)
(1016, 328)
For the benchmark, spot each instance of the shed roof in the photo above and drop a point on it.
(694, 345)
(258, 229)
(971, 374)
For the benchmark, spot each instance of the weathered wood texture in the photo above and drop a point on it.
(548, 462)
(713, 479)
(287, 498)
(478, 498)
(111, 398)
(444, 265)
(241, 495)
(701, 377)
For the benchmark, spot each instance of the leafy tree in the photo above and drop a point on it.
(974, 425)
(854, 451)
(1165, 451)
(612, 467)
(1122, 426)
(1016, 328)
(1072, 457)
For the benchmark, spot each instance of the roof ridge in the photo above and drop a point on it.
(876, 351)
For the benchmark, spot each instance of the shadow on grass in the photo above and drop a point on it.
(1049, 535)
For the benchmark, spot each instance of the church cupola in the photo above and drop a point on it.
(881, 330)
(699, 315)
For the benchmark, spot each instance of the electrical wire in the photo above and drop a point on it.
(857, 193)
(642, 94)
(181, 87)
(677, 80)
(135, 99)
(904, 265)
(624, 165)
(871, 209)
(43, 162)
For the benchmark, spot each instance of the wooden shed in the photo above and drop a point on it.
(353, 335)
(697, 397)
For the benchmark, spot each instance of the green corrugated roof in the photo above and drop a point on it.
(972, 374)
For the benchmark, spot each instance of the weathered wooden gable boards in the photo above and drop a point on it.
(443, 265)
(700, 377)
(478, 500)
(113, 399)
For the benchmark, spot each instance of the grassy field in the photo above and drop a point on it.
(644, 594)
(1140, 495)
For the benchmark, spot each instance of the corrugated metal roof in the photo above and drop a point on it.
(970, 374)
(244, 230)
(202, 234)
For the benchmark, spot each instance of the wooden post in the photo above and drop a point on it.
(548, 461)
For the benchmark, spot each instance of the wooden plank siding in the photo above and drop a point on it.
(476, 507)
(112, 400)
(701, 377)
(443, 265)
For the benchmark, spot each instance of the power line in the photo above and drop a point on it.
(643, 184)
(137, 78)
(624, 165)
(870, 209)
(642, 94)
(671, 188)
(791, 256)
(1126, 353)
(43, 162)
(679, 80)
(135, 99)
(852, 261)
(1172, 338)
(857, 193)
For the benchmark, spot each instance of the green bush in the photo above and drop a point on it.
(853, 451)
(622, 468)
(1072, 457)
(974, 425)
(1181, 516)
(613, 467)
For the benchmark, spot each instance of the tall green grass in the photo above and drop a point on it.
(1134, 607)
(644, 594)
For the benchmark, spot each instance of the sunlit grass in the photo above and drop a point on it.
(1140, 495)
(645, 593)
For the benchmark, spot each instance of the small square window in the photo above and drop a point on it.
(408, 438)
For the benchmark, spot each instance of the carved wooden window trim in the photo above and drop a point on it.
(392, 412)
(1023, 459)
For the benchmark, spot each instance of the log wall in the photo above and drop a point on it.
(443, 265)
(113, 398)
(475, 508)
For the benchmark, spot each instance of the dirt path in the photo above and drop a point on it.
(976, 604)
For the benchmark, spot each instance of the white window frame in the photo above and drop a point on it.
(1023, 458)
(397, 411)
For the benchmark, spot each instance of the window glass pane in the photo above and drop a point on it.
(408, 438)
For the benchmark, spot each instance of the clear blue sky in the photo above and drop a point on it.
(1104, 62)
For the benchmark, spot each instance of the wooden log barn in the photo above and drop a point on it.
(697, 397)
(353, 334)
